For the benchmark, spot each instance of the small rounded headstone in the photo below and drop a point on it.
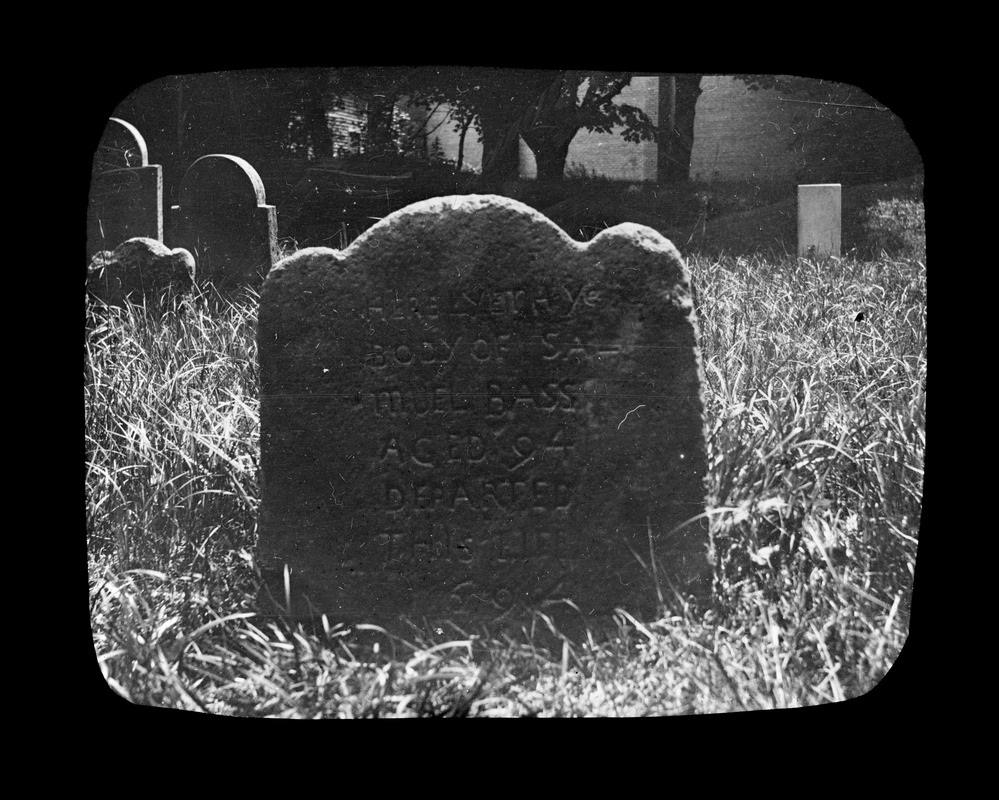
(138, 269)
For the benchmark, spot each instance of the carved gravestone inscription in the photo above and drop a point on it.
(466, 413)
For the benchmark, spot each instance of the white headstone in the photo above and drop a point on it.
(820, 208)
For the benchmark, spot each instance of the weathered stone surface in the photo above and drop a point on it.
(140, 269)
(126, 192)
(467, 413)
(224, 220)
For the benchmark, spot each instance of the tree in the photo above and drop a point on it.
(678, 93)
(565, 107)
(489, 99)
(546, 108)
(463, 121)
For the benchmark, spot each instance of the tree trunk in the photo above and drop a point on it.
(677, 105)
(666, 125)
(318, 129)
(500, 149)
(461, 142)
(550, 154)
(378, 129)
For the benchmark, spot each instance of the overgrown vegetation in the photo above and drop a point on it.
(895, 226)
(816, 394)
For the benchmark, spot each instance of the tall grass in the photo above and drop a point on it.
(172, 441)
(815, 394)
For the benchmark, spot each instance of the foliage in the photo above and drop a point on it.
(595, 110)
(438, 156)
(544, 107)
(572, 102)
(895, 227)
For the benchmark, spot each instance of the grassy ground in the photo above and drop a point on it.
(816, 376)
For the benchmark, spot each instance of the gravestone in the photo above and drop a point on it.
(466, 414)
(140, 269)
(126, 192)
(819, 219)
(224, 220)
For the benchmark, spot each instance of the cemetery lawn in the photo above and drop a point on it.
(815, 392)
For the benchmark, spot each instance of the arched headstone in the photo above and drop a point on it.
(126, 192)
(224, 220)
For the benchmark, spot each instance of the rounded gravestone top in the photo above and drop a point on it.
(140, 268)
(459, 218)
(121, 146)
(222, 179)
(142, 251)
